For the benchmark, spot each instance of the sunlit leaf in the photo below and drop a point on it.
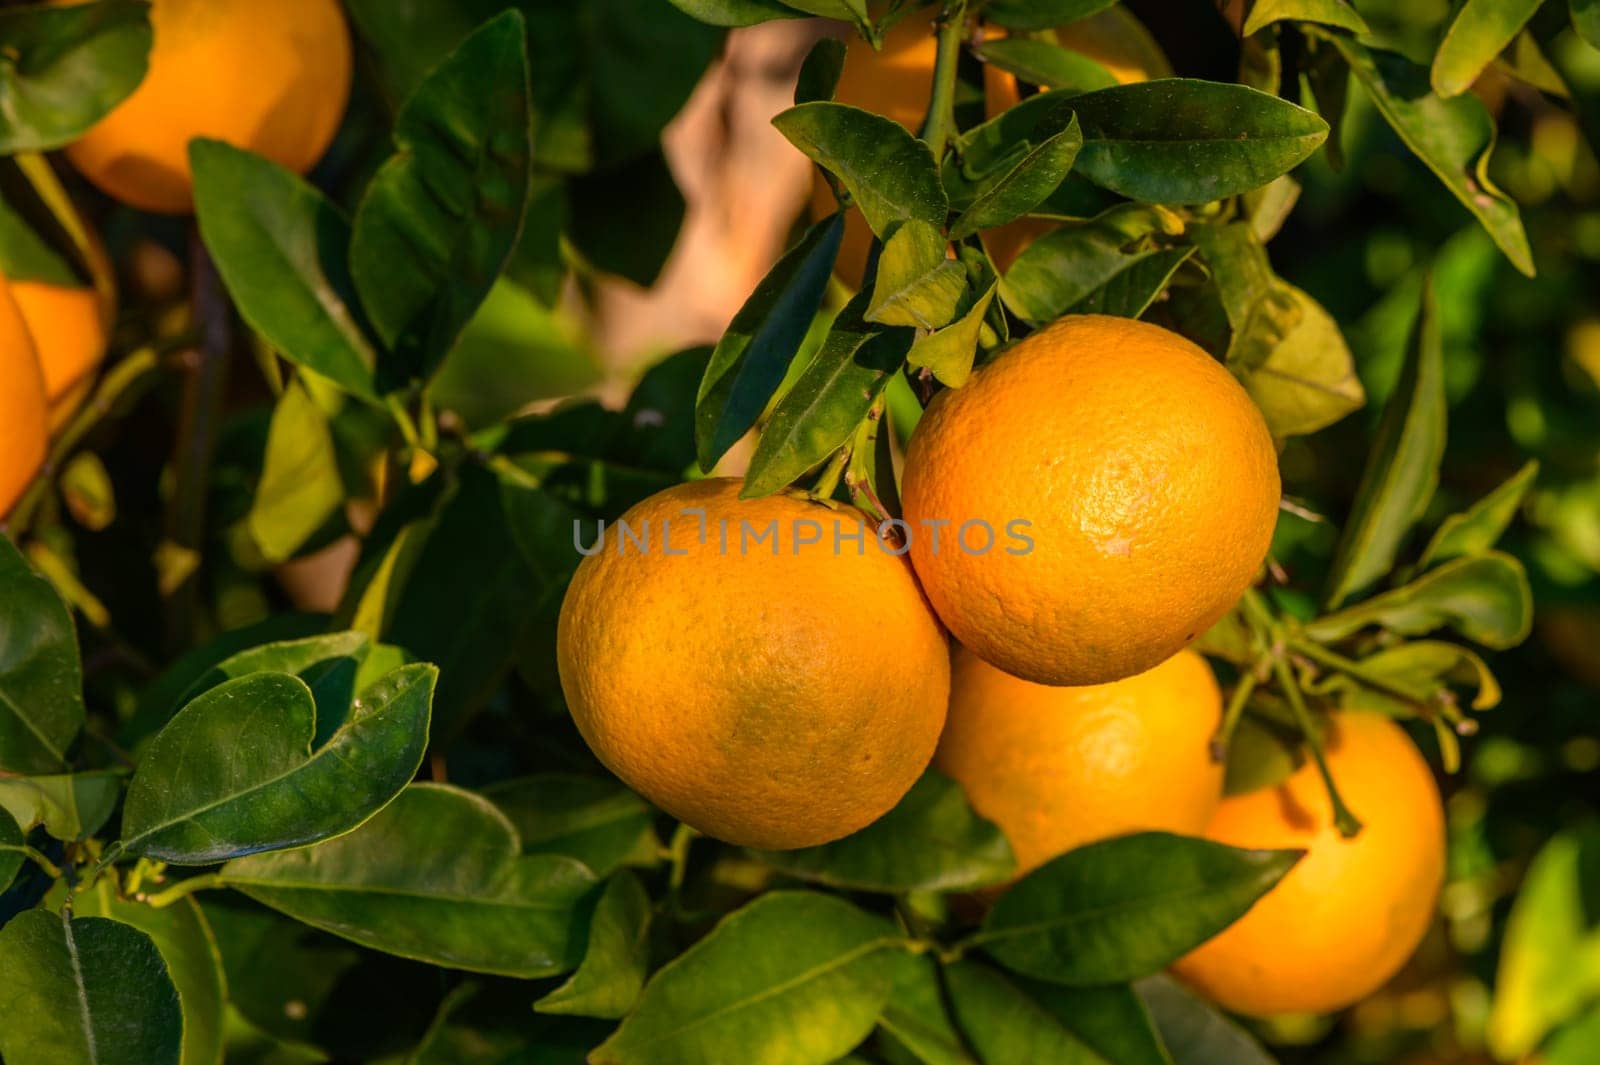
(917, 283)
(1337, 13)
(950, 351)
(1480, 30)
(1107, 265)
(41, 679)
(68, 806)
(1484, 597)
(1475, 530)
(300, 487)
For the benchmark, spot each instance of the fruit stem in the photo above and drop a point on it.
(183, 889)
(1230, 717)
(829, 481)
(1348, 824)
(1350, 668)
(941, 120)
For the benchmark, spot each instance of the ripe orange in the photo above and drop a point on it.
(24, 429)
(69, 337)
(1056, 768)
(1140, 471)
(774, 693)
(269, 77)
(1350, 914)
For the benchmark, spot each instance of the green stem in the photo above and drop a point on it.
(1235, 710)
(183, 889)
(940, 124)
(829, 481)
(50, 868)
(1355, 670)
(1348, 824)
(403, 419)
(678, 856)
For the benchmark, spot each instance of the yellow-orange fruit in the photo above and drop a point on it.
(1350, 914)
(1107, 492)
(69, 337)
(24, 430)
(774, 693)
(1056, 768)
(269, 77)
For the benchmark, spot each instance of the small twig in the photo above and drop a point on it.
(829, 481)
(51, 868)
(183, 889)
(1348, 824)
(1235, 710)
(940, 123)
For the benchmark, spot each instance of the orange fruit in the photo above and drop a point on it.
(1056, 768)
(777, 693)
(1107, 491)
(24, 428)
(69, 336)
(269, 77)
(1350, 914)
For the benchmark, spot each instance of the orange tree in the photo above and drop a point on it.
(567, 775)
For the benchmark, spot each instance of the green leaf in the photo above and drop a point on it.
(185, 942)
(931, 841)
(1337, 13)
(890, 175)
(794, 978)
(69, 806)
(194, 800)
(333, 665)
(1475, 530)
(1194, 1032)
(1042, 14)
(750, 360)
(823, 407)
(1126, 907)
(1483, 597)
(41, 678)
(1402, 469)
(11, 852)
(735, 12)
(625, 221)
(88, 989)
(1453, 137)
(1419, 668)
(1107, 265)
(916, 1019)
(917, 283)
(949, 352)
(66, 68)
(1013, 1018)
(300, 487)
(989, 153)
(1044, 64)
(281, 249)
(1024, 187)
(616, 960)
(1480, 31)
(594, 820)
(1574, 1044)
(1550, 958)
(437, 876)
(24, 255)
(1298, 369)
(1586, 20)
(819, 74)
(1182, 141)
(440, 219)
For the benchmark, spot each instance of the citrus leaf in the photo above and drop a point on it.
(85, 989)
(1126, 907)
(66, 68)
(11, 849)
(1402, 469)
(281, 248)
(1044, 64)
(1305, 378)
(917, 283)
(1022, 188)
(826, 403)
(819, 74)
(594, 820)
(1419, 668)
(300, 486)
(930, 841)
(1013, 1018)
(1475, 530)
(1483, 597)
(1183, 141)
(24, 255)
(1586, 20)
(234, 772)
(185, 942)
(1337, 13)
(1042, 14)
(1453, 137)
(1194, 1032)
(68, 806)
(1480, 31)
(1574, 1043)
(608, 980)
(1106, 265)
(949, 353)
(735, 12)
(800, 976)
(41, 678)
(440, 219)
(750, 360)
(992, 151)
(915, 1016)
(891, 175)
(436, 876)
(1550, 959)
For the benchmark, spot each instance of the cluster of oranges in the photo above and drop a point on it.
(765, 673)
(273, 78)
